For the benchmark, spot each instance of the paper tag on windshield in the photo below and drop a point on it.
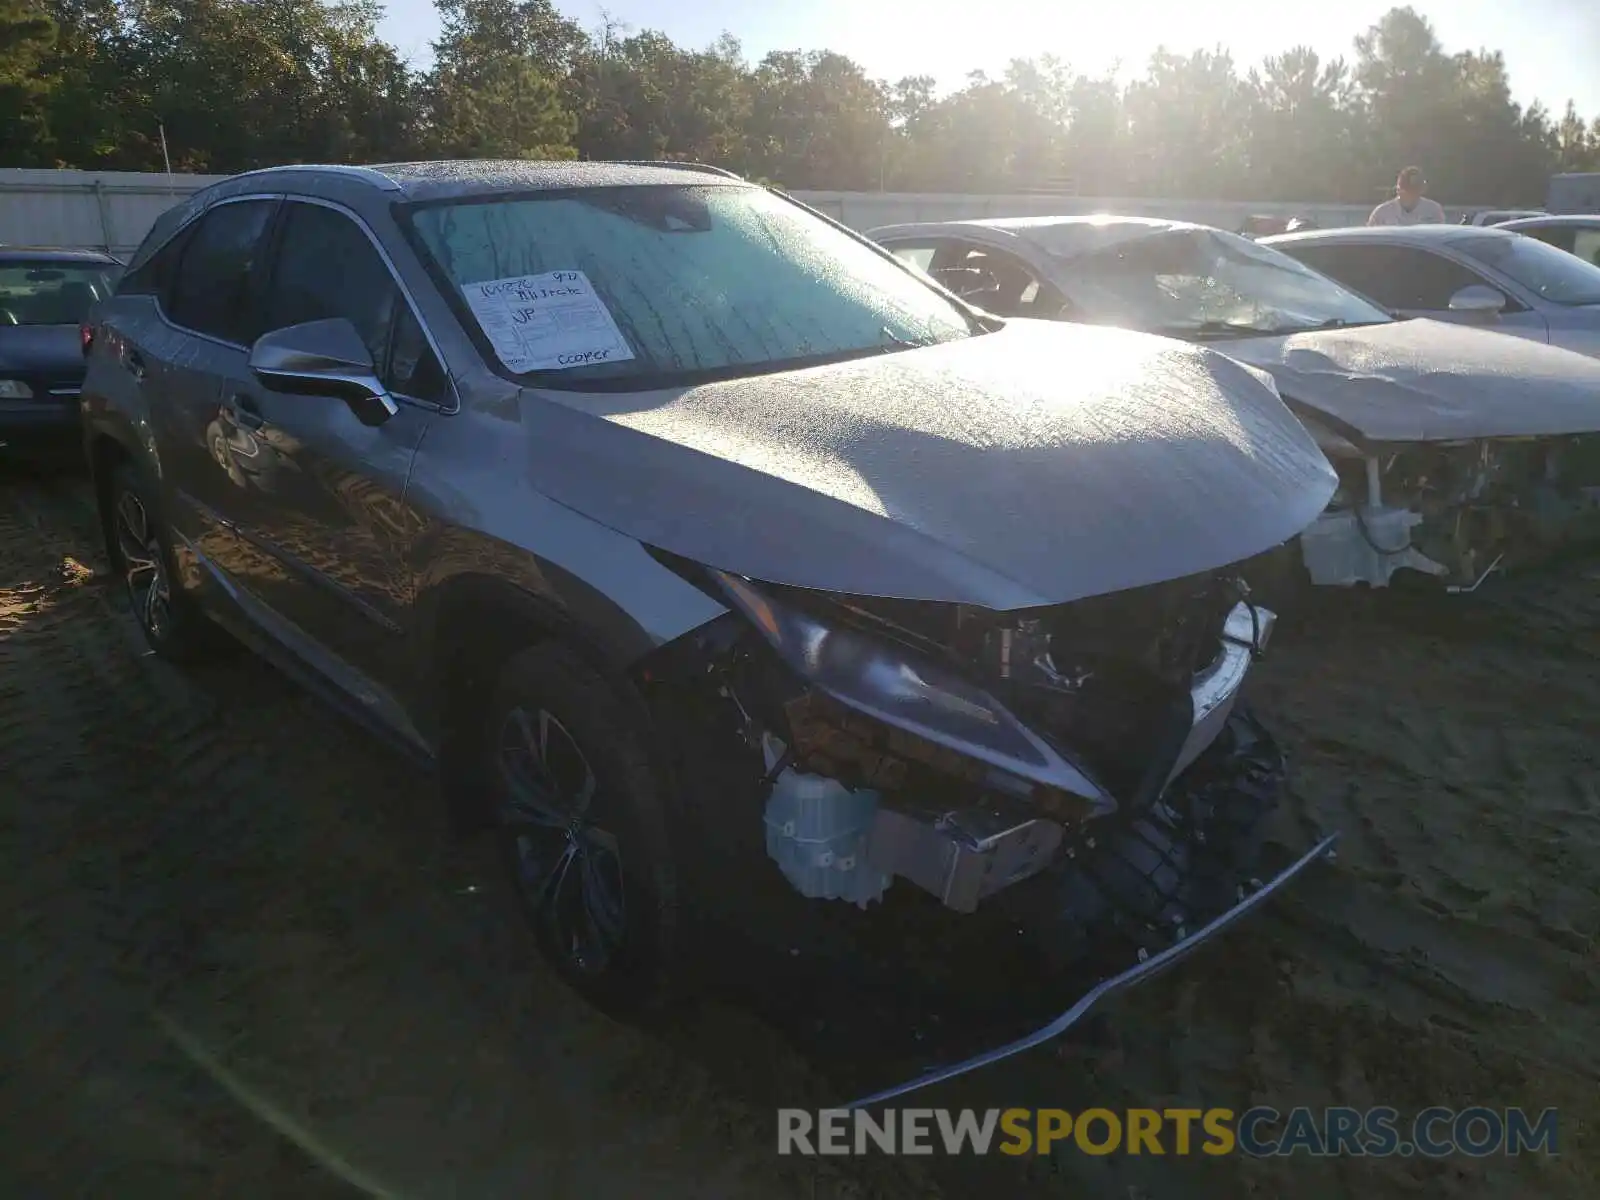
(546, 322)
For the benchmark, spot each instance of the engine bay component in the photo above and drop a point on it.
(962, 857)
(817, 833)
(1363, 545)
(962, 749)
(1457, 511)
(909, 691)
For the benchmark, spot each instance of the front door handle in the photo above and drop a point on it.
(244, 411)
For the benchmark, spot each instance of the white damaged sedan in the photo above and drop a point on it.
(1459, 451)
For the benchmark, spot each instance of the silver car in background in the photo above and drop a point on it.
(1457, 451)
(1578, 235)
(1487, 277)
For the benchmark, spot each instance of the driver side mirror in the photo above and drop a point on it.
(1478, 300)
(323, 358)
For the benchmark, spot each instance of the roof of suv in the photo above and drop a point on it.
(372, 189)
(449, 179)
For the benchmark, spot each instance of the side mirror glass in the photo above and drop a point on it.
(323, 358)
(1477, 299)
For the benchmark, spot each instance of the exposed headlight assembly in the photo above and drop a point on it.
(911, 692)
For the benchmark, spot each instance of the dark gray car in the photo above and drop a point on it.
(45, 298)
(716, 559)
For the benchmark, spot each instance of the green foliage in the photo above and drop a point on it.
(27, 35)
(242, 83)
(496, 87)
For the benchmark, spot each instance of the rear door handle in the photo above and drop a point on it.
(244, 412)
(134, 362)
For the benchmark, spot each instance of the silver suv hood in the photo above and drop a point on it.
(1036, 465)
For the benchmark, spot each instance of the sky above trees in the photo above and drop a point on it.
(1552, 47)
(243, 83)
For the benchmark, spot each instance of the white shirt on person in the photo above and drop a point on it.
(1423, 212)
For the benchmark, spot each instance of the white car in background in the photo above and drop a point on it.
(1487, 277)
(1499, 216)
(1458, 451)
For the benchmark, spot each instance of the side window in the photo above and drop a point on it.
(413, 368)
(1555, 235)
(1021, 292)
(920, 257)
(1586, 245)
(155, 275)
(1397, 277)
(326, 267)
(215, 286)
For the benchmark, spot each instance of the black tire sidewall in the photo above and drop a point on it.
(641, 976)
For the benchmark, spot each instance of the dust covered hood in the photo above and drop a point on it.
(1035, 465)
(1425, 381)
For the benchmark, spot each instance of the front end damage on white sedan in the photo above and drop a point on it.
(1460, 452)
(1457, 511)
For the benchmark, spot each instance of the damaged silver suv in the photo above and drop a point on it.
(703, 546)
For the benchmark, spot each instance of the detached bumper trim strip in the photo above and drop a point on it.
(1140, 973)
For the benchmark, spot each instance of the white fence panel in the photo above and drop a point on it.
(112, 210)
(100, 210)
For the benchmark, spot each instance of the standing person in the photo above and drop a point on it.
(1409, 206)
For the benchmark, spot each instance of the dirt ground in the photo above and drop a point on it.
(246, 961)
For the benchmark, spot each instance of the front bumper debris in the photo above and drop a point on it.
(1154, 886)
(1141, 972)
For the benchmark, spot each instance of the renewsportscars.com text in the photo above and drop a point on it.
(1259, 1132)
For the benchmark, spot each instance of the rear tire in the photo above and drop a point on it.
(173, 624)
(582, 826)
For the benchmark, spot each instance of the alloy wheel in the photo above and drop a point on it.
(567, 868)
(143, 566)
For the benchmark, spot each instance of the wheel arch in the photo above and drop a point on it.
(469, 625)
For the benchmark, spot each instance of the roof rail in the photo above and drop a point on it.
(364, 174)
(705, 168)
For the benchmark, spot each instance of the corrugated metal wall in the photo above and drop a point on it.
(113, 210)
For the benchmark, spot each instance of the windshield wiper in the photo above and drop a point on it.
(889, 335)
(1335, 323)
(1217, 329)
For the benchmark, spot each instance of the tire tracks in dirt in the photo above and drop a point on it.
(211, 851)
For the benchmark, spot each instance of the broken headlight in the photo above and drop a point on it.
(909, 691)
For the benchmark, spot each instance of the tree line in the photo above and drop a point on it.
(225, 85)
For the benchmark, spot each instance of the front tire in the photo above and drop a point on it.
(582, 828)
(173, 625)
